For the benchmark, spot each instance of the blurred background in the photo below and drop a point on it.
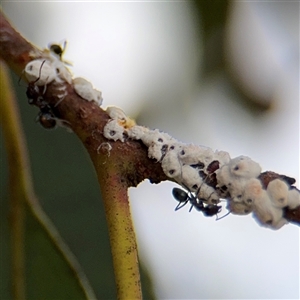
(217, 73)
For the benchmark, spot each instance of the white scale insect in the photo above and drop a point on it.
(114, 131)
(85, 90)
(278, 192)
(33, 72)
(293, 198)
(137, 132)
(171, 165)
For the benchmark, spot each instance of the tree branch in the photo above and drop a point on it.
(118, 164)
(87, 120)
(128, 161)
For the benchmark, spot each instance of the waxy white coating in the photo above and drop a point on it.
(40, 71)
(85, 90)
(293, 198)
(136, 132)
(171, 165)
(278, 192)
(190, 178)
(265, 212)
(245, 167)
(239, 208)
(192, 167)
(116, 113)
(114, 131)
(157, 151)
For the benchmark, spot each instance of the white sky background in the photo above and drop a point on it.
(127, 50)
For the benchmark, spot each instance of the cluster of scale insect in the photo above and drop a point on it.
(208, 176)
(50, 67)
(239, 181)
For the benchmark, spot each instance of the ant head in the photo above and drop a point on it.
(33, 94)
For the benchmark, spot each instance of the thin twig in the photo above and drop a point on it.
(121, 234)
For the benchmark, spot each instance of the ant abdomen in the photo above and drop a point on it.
(47, 120)
(180, 195)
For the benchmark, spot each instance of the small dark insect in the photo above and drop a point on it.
(58, 49)
(183, 198)
(36, 97)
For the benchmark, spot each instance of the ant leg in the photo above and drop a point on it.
(45, 89)
(180, 205)
(45, 86)
(217, 219)
(59, 101)
(191, 208)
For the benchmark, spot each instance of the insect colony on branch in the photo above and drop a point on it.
(48, 68)
(207, 176)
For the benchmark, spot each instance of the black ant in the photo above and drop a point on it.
(35, 97)
(183, 198)
(33, 93)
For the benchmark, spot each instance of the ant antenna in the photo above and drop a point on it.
(40, 72)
